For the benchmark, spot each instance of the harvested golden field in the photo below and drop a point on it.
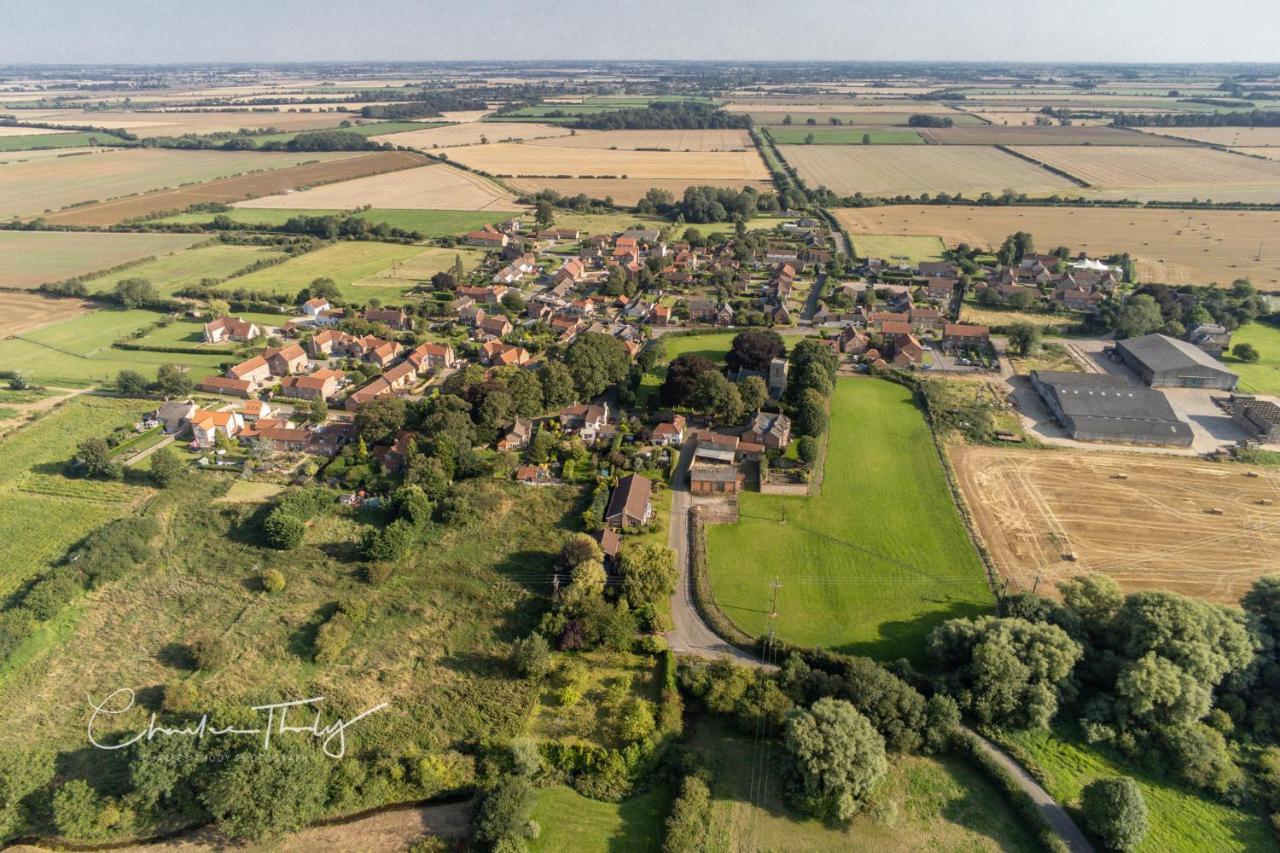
(7, 130)
(432, 187)
(1151, 522)
(1269, 153)
(1230, 137)
(1017, 118)
(227, 190)
(890, 170)
(471, 133)
(625, 191)
(173, 123)
(1032, 135)
(50, 184)
(1164, 173)
(668, 140)
(26, 312)
(1170, 246)
(563, 161)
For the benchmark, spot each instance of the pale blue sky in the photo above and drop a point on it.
(142, 31)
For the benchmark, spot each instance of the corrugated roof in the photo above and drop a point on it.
(1161, 352)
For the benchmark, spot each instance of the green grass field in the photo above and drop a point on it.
(1263, 376)
(872, 564)
(907, 248)
(74, 139)
(829, 135)
(1180, 820)
(431, 223)
(939, 803)
(41, 511)
(78, 352)
(345, 263)
(570, 821)
(31, 258)
(171, 273)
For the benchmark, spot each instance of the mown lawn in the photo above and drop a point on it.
(939, 803)
(570, 821)
(1263, 376)
(872, 564)
(712, 345)
(1180, 819)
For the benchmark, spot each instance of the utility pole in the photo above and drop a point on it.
(773, 611)
(1035, 585)
(555, 585)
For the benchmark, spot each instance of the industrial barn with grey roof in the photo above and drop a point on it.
(1102, 407)
(1165, 362)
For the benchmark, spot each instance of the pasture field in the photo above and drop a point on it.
(1169, 246)
(430, 223)
(346, 167)
(552, 160)
(420, 267)
(171, 273)
(42, 512)
(671, 140)
(1031, 507)
(160, 123)
(891, 170)
(872, 564)
(38, 154)
(345, 262)
(29, 259)
(880, 118)
(433, 187)
(570, 821)
(471, 133)
(46, 185)
(797, 134)
(1032, 135)
(52, 139)
(1228, 137)
(1263, 376)
(1164, 173)
(627, 191)
(86, 335)
(1180, 820)
(941, 803)
(911, 248)
(25, 312)
(8, 130)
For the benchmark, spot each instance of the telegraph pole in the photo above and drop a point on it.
(773, 611)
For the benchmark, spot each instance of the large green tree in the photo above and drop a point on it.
(596, 362)
(835, 759)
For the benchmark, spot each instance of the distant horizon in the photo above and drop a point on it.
(165, 32)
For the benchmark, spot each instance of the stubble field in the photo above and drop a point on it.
(553, 160)
(436, 187)
(26, 312)
(891, 170)
(1143, 519)
(671, 140)
(174, 123)
(1170, 246)
(471, 133)
(1033, 135)
(1230, 137)
(627, 191)
(31, 258)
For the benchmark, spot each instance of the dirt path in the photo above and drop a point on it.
(42, 405)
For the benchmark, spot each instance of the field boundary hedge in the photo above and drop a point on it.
(704, 600)
(1062, 173)
(967, 745)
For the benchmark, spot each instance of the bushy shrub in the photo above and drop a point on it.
(1115, 812)
(272, 580)
(690, 818)
(531, 656)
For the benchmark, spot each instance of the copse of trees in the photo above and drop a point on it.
(426, 104)
(326, 140)
(665, 115)
(1250, 118)
(926, 120)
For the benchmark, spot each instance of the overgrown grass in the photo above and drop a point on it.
(1263, 376)
(1180, 819)
(173, 272)
(872, 564)
(570, 821)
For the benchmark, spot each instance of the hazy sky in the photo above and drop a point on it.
(56, 31)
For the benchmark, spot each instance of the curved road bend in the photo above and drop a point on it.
(690, 635)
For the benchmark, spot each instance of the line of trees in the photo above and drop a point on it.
(666, 115)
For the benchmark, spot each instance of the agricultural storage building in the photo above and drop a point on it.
(1165, 362)
(1259, 418)
(1101, 407)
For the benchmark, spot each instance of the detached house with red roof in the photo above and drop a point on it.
(254, 371)
(431, 356)
(207, 425)
(226, 329)
(487, 237)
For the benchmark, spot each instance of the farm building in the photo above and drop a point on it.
(1259, 418)
(716, 479)
(1165, 362)
(1101, 407)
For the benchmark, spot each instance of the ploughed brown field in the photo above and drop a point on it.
(1151, 522)
(1170, 246)
(239, 188)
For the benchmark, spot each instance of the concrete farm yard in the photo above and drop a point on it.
(875, 561)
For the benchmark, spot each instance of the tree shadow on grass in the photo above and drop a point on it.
(905, 638)
(302, 641)
(177, 656)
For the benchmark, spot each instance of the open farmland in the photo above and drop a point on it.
(171, 273)
(29, 259)
(345, 262)
(420, 267)
(471, 133)
(26, 312)
(430, 223)
(437, 187)
(7, 131)
(1170, 246)
(796, 135)
(626, 191)
(42, 512)
(45, 185)
(1164, 173)
(52, 140)
(1269, 153)
(891, 170)
(1228, 137)
(1263, 376)
(174, 123)
(898, 248)
(1142, 519)
(872, 564)
(549, 160)
(345, 167)
(1032, 135)
(670, 140)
